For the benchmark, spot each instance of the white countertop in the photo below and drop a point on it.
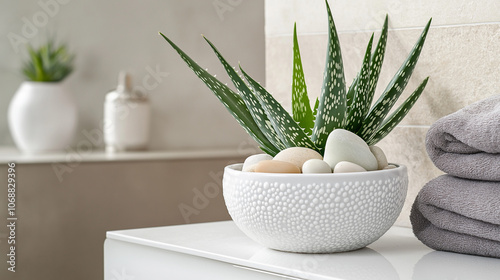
(11, 154)
(396, 255)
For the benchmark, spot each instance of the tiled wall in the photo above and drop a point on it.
(461, 55)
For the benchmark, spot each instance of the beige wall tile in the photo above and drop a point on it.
(359, 15)
(406, 145)
(279, 69)
(280, 16)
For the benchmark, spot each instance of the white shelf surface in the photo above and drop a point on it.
(396, 255)
(11, 154)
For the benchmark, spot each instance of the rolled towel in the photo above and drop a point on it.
(466, 143)
(458, 215)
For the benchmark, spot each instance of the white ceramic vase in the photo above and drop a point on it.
(315, 213)
(42, 117)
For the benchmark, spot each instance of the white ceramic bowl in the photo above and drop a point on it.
(315, 213)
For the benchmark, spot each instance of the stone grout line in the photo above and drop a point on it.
(413, 126)
(390, 29)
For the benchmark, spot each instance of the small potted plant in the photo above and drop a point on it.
(350, 195)
(42, 114)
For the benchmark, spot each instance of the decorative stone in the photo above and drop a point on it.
(343, 145)
(276, 166)
(347, 167)
(251, 161)
(316, 166)
(297, 155)
(380, 156)
(390, 166)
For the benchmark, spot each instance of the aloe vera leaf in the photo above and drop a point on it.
(316, 105)
(290, 133)
(361, 102)
(251, 101)
(375, 66)
(37, 63)
(301, 108)
(394, 89)
(231, 100)
(332, 105)
(350, 92)
(377, 60)
(269, 152)
(388, 125)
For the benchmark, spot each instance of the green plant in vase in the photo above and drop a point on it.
(48, 63)
(42, 113)
(338, 107)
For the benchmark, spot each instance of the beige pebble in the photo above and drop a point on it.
(316, 166)
(251, 161)
(297, 155)
(276, 166)
(380, 156)
(390, 166)
(347, 167)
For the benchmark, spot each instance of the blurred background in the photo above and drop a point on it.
(117, 35)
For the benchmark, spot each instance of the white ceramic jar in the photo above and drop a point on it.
(126, 118)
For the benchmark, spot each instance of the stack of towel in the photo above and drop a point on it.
(460, 211)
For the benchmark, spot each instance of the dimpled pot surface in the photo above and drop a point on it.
(315, 213)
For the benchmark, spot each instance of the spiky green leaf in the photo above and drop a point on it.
(316, 105)
(332, 105)
(36, 60)
(290, 133)
(251, 101)
(231, 100)
(301, 108)
(350, 92)
(361, 102)
(396, 117)
(377, 60)
(391, 94)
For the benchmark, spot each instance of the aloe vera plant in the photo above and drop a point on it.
(274, 129)
(48, 63)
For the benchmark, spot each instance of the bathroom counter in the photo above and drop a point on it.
(221, 251)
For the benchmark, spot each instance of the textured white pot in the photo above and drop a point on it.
(315, 213)
(42, 117)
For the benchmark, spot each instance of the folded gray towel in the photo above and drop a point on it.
(466, 143)
(458, 215)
